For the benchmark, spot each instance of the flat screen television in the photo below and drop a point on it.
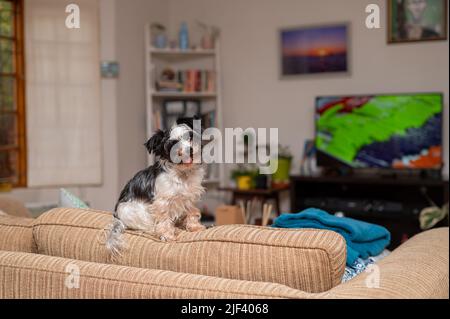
(384, 131)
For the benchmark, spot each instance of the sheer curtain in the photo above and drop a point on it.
(62, 94)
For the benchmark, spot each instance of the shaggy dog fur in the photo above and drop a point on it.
(161, 198)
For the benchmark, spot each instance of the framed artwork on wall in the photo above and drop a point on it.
(109, 69)
(314, 50)
(416, 20)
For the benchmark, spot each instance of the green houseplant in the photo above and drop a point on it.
(284, 160)
(243, 175)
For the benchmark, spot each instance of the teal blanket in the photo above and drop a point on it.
(362, 239)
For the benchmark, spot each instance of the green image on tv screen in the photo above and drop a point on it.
(381, 131)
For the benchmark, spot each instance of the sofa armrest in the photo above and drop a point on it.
(416, 269)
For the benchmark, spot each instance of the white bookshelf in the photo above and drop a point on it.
(157, 59)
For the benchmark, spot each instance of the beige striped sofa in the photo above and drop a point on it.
(61, 254)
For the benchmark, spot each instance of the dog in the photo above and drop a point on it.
(161, 198)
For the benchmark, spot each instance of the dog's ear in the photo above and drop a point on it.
(154, 144)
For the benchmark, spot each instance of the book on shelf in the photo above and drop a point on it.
(189, 81)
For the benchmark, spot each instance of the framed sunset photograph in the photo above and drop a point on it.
(314, 50)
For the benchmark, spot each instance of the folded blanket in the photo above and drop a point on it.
(362, 239)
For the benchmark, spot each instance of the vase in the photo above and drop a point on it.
(281, 176)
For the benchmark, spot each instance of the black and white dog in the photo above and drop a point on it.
(161, 198)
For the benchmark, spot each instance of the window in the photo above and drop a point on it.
(63, 95)
(12, 96)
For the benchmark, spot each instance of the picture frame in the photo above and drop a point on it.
(314, 50)
(109, 69)
(416, 20)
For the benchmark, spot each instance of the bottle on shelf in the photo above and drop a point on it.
(184, 36)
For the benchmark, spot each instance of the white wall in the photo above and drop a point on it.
(253, 94)
(131, 17)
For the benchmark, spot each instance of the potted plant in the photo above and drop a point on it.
(243, 177)
(281, 176)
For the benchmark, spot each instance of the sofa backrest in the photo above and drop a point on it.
(309, 260)
(16, 234)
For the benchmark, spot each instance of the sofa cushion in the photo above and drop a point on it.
(16, 234)
(309, 260)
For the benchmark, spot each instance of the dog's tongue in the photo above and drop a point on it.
(188, 161)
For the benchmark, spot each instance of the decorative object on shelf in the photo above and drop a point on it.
(243, 176)
(159, 37)
(209, 35)
(183, 36)
(189, 81)
(417, 20)
(168, 82)
(243, 180)
(309, 152)
(284, 160)
(248, 177)
(109, 69)
(260, 181)
(314, 50)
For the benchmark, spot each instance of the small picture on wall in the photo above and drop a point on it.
(417, 20)
(109, 69)
(312, 50)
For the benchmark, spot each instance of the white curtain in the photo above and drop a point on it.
(62, 94)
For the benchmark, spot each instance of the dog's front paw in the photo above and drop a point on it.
(195, 227)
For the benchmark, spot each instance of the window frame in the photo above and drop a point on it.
(19, 98)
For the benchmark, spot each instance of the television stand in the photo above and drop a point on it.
(394, 203)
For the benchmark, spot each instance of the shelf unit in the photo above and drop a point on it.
(155, 61)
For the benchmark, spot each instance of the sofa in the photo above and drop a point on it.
(61, 254)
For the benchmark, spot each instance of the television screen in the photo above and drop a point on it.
(380, 131)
